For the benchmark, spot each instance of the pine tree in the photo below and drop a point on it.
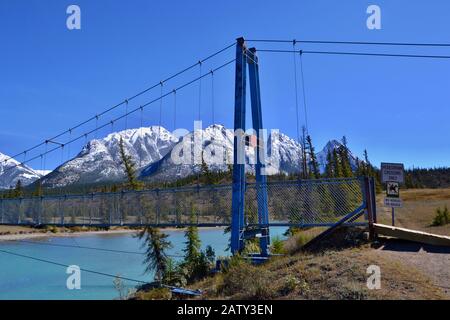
(329, 173)
(345, 159)
(314, 172)
(18, 190)
(205, 172)
(156, 258)
(192, 249)
(366, 167)
(337, 168)
(304, 159)
(38, 192)
(129, 167)
(370, 171)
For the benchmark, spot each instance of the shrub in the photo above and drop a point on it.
(298, 240)
(277, 246)
(154, 294)
(245, 281)
(291, 283)
(442, 217)
(251, 247)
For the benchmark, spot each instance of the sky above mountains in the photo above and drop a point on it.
(53, 78)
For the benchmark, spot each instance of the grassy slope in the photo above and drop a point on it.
(419, 206)
(334, 274)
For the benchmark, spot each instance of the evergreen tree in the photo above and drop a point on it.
(38, 192)
(129, 166)
(337, 168)
(205, 172)
(329, 173)
(18, 190)
(304, 158)
(370, 171)
(156, 244)
(345, 159)
(314, 166)
(366, 166)
(192, 249)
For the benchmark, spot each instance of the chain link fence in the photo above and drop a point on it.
(305, 202)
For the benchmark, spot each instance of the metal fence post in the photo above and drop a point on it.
(175, 206)
(90, 209)
(158, 204)
(369, 205)
(141, 206)
(19, 211)
(198, 201)
(41, 207)
(61, 209)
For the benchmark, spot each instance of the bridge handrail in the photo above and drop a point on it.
(184, 189)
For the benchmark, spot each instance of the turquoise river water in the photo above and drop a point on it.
(22, 278)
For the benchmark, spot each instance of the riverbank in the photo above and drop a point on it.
(27, 236)
(11, 233)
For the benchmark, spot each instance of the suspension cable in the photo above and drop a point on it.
(126, 117)
(296, 92)
(128, 99)
(129, 112)
(174, 109)
(358, 53)
(297, 118)
(212, 98)
(66, 266)
(199, 118)
(88, 248)
(304, 93)
(354, 42)
(160, 109)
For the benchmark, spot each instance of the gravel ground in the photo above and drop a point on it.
(433, 261)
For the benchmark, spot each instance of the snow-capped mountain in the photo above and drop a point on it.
(217, 140)
(11, 171)
(161, 156)
(283, 154)
(329, 147)
(99, 160)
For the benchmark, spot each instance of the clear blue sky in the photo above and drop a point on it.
(52, 78)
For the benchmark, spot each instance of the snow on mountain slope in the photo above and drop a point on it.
(11, 172)
(99, 160)
(161, 156)
(283, 155)
(329, 147)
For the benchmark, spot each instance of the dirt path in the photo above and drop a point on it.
(433, 261)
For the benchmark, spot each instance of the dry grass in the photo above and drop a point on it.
(300, 238)
(328, 275)
(16, 230)
(419, 209)
(425, 194)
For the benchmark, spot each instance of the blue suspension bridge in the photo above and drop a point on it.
(250, 208)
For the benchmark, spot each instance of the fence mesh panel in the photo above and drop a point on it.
(289, 202)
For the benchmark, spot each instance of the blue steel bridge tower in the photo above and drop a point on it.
(239, 231)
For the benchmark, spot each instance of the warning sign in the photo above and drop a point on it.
(393, 202)
(392, 189)
(392, 172)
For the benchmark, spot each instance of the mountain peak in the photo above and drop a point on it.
(12, 171)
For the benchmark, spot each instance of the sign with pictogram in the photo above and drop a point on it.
(392, 189)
